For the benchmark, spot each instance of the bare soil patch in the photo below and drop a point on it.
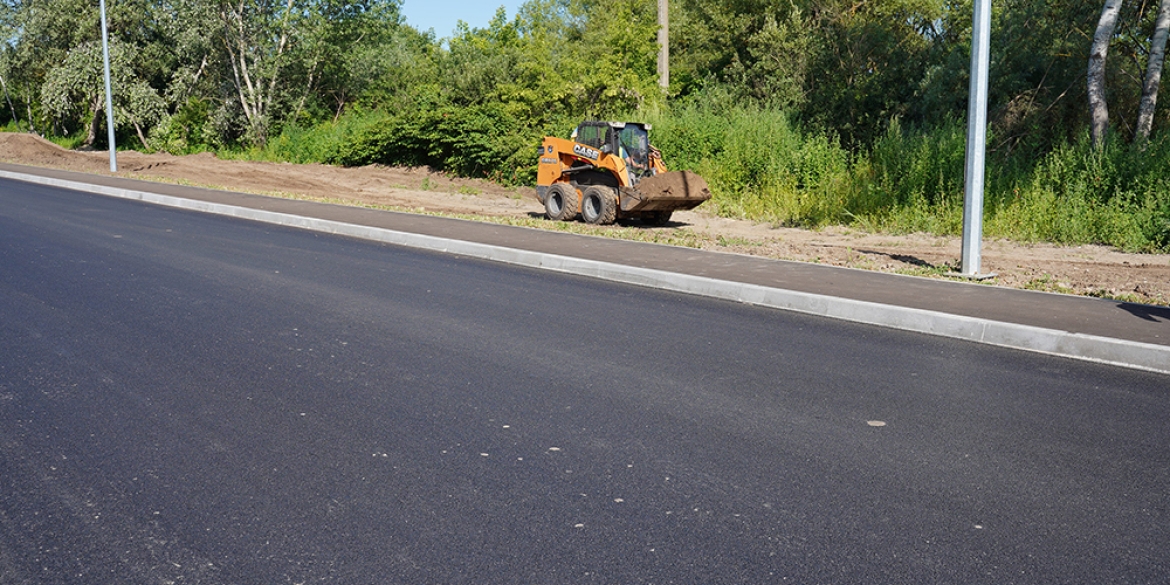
(1089, 270)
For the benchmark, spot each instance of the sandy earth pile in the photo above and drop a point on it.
(1095, 270)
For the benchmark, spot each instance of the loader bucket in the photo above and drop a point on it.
(672, 191)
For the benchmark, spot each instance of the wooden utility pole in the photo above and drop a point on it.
(664, 44)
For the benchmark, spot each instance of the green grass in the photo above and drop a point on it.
(71, 142)
(758, 164)
(764, 165)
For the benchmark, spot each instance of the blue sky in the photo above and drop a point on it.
(442, 15)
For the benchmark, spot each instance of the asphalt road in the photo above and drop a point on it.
(194, 399)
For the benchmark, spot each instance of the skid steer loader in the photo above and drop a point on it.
(609, 171)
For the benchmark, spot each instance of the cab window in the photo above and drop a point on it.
(635, 143)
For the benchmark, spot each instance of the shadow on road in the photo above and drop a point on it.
(1148, 312)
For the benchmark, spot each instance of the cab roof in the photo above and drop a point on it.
(615, 125)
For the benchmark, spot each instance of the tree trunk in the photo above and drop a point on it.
(11, 107)
(28, 108)
(309, 88)
(141, 136)
(1153, 75)
(255, 92)
(1098, 109)
(94, 120)
(236, 43)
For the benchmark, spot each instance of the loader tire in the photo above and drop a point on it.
(599, 205)
(560, 203)
(656, 218)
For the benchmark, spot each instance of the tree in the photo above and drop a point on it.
(76, 88)
(37, 36)
(557, 57)
(1037, 78)
(617, 62)
(256, 35)
(1098, 107)
(841, 64)
(339, 50)
(7, 32)
(290, 55)
(1153, 74)
(391, 73)
(4, 84)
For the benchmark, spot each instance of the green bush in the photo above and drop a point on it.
(325, 142)
(15, 126)
(477, 141)
(757, 162)
(185, 131)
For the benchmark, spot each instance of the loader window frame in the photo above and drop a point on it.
(635, 146)
(592, 135)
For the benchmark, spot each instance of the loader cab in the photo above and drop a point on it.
(629, 140)
(634, 141)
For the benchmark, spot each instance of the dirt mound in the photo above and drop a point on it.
(33, 150)
(1095, 270)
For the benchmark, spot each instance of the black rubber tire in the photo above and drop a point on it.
(656, 218)
(599, 205)
(560, 203)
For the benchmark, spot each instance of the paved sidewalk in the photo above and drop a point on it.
(1146, 326)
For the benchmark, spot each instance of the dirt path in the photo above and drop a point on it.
(1094, 270)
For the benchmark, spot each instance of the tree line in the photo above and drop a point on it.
(350, 82)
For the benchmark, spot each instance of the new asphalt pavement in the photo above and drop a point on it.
(189, 398)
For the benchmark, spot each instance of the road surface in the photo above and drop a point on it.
(194, 399)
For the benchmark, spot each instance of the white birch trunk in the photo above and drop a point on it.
(236, 44)
(256, 72)
(1153, 75)
(1098, 108)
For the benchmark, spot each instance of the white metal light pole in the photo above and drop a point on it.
(109, 92)
(976, 140)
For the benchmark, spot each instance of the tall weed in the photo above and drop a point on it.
(1079, 194)
(912, 168)
(757, 162)
(911, 181)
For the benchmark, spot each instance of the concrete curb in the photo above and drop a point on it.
(1131, 354)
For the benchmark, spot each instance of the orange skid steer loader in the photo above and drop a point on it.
(609, 171)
